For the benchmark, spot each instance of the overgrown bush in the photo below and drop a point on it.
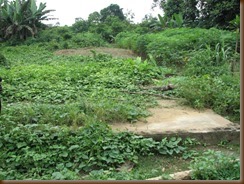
(141, 45)
(222, 94)
(213, 62)
(64, 38)
(127, 40)
(226, 99)
(55, 33)
(214, 165)
(88, 39)
(134, 41)
(173, 46)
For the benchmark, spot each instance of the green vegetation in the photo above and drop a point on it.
(56, 109)
(65, 38)
(3, 60)
(74, 90)
(201, 13)
(209, 61)
(174, 46)
(59, 153)
(214, 165)
(21, 18)
(162, 166)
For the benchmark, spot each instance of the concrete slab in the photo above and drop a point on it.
(171, 119)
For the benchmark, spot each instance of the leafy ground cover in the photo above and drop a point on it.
(94, 152)
(56, 108)
(72, 90)
(57, 149)
(162, 166)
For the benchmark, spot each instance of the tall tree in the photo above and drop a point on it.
(112, 10)
(203, 13)
(80, 26)
(94, 18)
(190, 12)
(172, 7)
(218, 13)
(187, 8)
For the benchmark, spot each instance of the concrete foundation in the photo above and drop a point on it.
(171, 119)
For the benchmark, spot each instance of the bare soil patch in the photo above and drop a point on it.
(115, 52)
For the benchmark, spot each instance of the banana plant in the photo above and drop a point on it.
(20, 18)
(175, 21)
(178, 19)
(163, 21)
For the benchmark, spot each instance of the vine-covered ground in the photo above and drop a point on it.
(56, 108)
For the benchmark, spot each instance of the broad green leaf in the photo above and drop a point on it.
(73, 147)
(33, 7)
(64, 154)
(57, 176)
(17, 6)
(69, 164)
(21, 144)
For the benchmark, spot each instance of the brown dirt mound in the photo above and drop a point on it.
(115, 52)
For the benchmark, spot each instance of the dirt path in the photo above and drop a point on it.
(115, 52)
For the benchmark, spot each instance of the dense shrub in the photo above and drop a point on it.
(227, 96)
(173, 46)
(134, 41)
(214, 165)
(127, 40)
(213, 62)
(88, 39)
(111, 27)
(64, 38)
(141, 45)
(54, 33)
